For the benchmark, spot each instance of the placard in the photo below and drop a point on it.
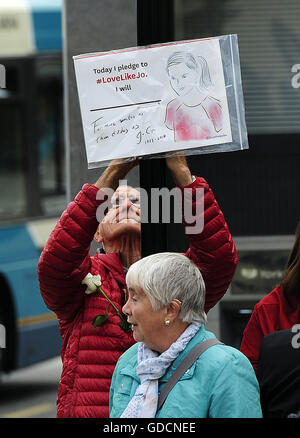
(149, 100)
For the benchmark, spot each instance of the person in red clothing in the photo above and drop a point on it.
(279, 310)
(90, 354)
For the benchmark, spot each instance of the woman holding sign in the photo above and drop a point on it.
(82, 289)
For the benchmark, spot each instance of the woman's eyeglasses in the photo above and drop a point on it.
(116, 202)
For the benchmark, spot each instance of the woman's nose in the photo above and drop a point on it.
(126, 308)
(125, 204)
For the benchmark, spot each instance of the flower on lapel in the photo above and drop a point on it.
(92, 282)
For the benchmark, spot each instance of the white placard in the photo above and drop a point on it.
(152, 99)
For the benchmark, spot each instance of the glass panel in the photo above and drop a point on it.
(258, 272)
(268, 34)
(51, 136)
(12, 173)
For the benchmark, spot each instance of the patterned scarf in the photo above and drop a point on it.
(150, 368)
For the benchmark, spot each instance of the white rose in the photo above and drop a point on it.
(92, 282)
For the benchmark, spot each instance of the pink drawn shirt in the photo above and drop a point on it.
(194, 122)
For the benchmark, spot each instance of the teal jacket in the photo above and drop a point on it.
(220, 384)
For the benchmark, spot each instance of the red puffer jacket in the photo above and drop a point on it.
(89, 354)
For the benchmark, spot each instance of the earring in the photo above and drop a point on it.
(167, 322)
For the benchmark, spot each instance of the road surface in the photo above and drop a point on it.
(31, 392)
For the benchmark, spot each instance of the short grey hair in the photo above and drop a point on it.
(167, 276)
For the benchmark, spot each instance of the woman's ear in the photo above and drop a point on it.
(173, 309)
(98, 236)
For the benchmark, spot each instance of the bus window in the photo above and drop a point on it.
(12, 171)
(51, 135)
(31, 175)
(32, 191)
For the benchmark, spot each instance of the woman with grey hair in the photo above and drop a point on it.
(166, 311)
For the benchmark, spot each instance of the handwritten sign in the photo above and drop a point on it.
(153, 99)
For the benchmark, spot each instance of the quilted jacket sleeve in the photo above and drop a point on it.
(252, 338)
(211, 247)
(65, 260)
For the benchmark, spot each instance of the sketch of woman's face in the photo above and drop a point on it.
(182, 78)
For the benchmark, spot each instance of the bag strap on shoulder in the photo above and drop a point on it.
(184, 366)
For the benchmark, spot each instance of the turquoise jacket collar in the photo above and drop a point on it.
(200, 336)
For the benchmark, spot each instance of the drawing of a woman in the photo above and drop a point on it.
(194, 114)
